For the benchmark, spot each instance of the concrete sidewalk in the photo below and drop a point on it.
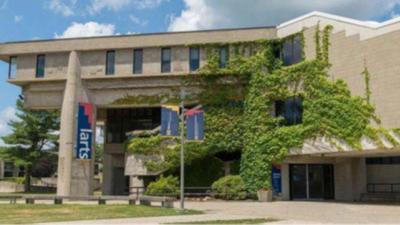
(286, 212)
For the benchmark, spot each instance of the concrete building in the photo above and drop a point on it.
(59, 74)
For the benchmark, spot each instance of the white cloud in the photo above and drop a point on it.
(98, 5)
(136, 20)
(88, 29)
(147, 4)
(206, 14)
(6, 115)
(66, 8)
(18, 19)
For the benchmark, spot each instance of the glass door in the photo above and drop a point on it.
(311, 181)
(298, 181)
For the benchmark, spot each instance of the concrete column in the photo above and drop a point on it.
(1, 169)
(107, 174)
(285, 182)
(75, 177)
(134, 183)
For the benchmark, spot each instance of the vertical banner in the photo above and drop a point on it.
(195, 125)
(85, 131)
(277, 178)
(170, 120)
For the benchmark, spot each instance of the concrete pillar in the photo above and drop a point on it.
(136, 185)
(75, 177)
(1, 169)
(285, 182)
(107, 174)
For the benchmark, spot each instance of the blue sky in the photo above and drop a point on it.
(44, 19)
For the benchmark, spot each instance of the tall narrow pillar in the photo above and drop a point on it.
(75, 176)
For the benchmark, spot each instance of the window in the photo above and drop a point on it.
(137, 61)
(165, 60)
(383, 160)
(194, 59)
(291, 110)
(223, 57)
(110, 62)
(12, 67)
(292, 51)
(40, 65)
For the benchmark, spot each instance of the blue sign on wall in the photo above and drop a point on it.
(195, 125)
(85, 131)
(276, 178)
(170, 121)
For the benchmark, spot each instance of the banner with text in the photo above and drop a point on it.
(85, 131)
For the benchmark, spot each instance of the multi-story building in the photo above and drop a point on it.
(58, 74)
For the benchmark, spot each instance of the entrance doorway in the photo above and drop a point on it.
(311, 181)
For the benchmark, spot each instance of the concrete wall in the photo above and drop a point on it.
(381, 55)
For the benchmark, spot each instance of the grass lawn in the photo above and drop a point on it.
(243, 221)
(20, 214)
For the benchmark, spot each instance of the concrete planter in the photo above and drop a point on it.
(264, 195)
(10, 187)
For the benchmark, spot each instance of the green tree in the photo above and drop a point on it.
(34, 135)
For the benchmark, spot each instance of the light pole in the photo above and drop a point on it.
(182, 193)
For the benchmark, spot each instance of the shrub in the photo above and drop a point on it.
(164, 186)
(230, 188)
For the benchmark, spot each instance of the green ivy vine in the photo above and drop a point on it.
(239, 103)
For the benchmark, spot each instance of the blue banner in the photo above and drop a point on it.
(195, 125)
(276, 179)
(85, 131)
(170, 121)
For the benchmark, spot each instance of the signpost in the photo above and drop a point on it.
(182, 194)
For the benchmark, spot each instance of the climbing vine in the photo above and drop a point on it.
(239, 102)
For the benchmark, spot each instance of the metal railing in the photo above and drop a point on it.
(189, 191)
(383, 188)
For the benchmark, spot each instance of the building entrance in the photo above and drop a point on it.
(311, 181)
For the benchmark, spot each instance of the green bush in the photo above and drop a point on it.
(230, 188)
(164, 186)
(17, 180)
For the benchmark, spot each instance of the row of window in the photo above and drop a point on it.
(194, 60)
(290, 53)
(383, 161)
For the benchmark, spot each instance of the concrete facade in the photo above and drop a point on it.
(75, 71)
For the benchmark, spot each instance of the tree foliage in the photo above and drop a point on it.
(34, 135)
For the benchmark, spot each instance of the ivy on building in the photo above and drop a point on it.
(239, 103)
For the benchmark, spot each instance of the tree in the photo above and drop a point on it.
(34, 135)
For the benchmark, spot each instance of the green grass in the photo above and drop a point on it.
(22, 214)
(243, 221)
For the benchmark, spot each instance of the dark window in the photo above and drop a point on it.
(110, 63)
(291, 110)
(292, 51)
(165, 60)
(194, 55)
(40, 65)
(137, 61)
(121, 121)
(383, 160)
(12, 67)
(223, 57)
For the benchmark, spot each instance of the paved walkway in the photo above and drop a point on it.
(286, 212)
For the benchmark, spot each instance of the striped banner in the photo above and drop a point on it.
(170, 120)
(195, 124)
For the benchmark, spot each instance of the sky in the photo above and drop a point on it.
(48, 19)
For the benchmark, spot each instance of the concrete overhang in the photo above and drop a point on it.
(135, 41)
